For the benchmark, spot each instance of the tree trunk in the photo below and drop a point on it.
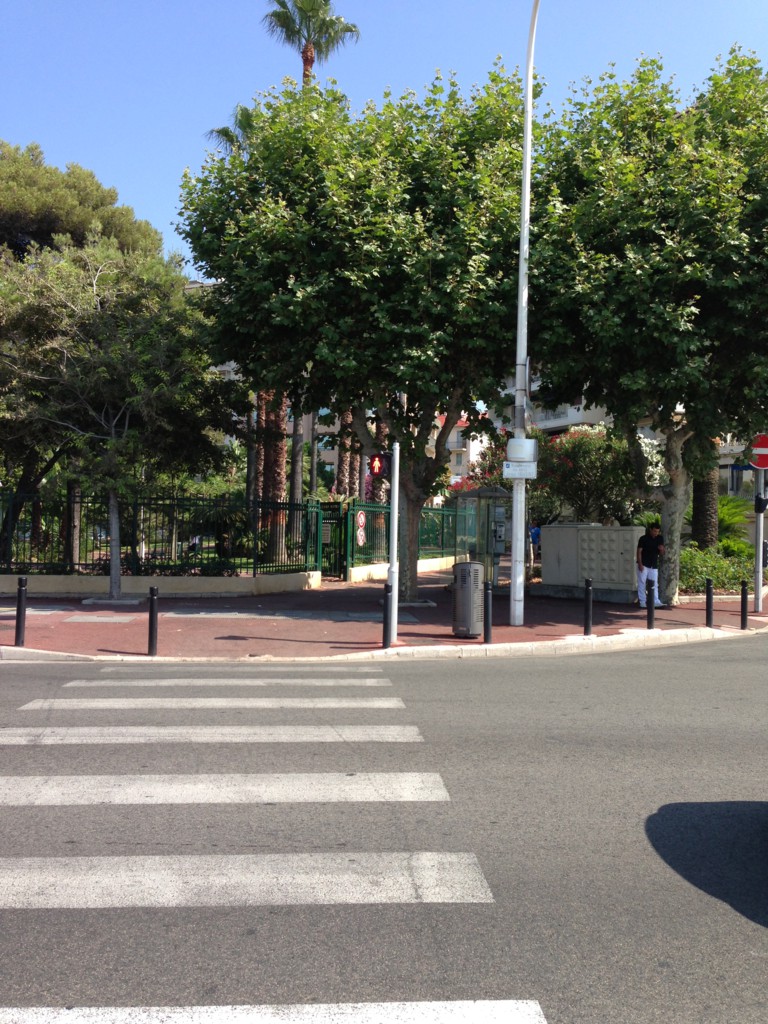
(675, 497)
(296, 495)
(307, 61)
(706, 493)
(73, 525)
(354, 474)
(275, 457)
(313, 456)
(344, 453)
(114, 547)
(411, 503)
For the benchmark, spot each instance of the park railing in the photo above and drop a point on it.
(198, 536)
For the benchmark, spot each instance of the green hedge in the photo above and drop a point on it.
(726, 573)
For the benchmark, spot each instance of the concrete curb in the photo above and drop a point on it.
(627, 640)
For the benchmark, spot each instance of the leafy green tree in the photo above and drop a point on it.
(369, 264)
(39, 202)
(587, 469)
(102, 352)
(311, 27)
(650, 238)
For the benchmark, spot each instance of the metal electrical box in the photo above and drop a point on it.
(468, 580)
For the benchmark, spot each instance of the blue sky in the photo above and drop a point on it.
(129, 90)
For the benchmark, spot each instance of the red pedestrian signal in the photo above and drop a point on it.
(381, 465)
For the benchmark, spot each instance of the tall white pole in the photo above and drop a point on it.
(393, 576)
(517, 583)
(759, 535)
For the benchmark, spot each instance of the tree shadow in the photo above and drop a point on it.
(721, 848)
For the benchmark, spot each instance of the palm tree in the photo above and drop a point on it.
(234, 138)
(311, 27)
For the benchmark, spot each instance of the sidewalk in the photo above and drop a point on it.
(345, 620)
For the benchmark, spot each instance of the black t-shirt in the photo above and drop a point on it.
(648, 547)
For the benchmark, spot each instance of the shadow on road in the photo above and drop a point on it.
(721, 848)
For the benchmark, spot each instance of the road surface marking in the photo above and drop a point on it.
(233, 681)
(252, 668)
(54, 736)
(281, 879)
(101, 618)
(291, 787)
(511, 1011)
(203, 703)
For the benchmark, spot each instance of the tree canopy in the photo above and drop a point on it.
(650, 239)
(102, 359)
(369, 263)
(39, 202)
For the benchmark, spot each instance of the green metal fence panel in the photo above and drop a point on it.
(197, 536)
(159, 536)
(368, 532)
(437, 533)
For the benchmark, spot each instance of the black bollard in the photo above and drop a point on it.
(21, 611)
(488, 612)
(152, 622)
(744, 586)
(387, 614)
(710, 593)
(587, 607)
(650, 603)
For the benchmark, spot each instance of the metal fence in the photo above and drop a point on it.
(196, 536)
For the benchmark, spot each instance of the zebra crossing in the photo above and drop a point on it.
(279, 878)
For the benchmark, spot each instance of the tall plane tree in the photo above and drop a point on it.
(649, 250)
(370, 264)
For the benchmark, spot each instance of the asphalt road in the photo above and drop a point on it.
(592, 836)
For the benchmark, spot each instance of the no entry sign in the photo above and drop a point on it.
(760, 452)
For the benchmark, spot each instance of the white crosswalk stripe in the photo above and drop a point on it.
(203, 703)
(234, 670)
(240, 880)
(459, 1012)
(73, 736)
(257, 681)
(293, 787)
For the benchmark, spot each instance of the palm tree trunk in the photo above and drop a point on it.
(308, 62)
(313, 455)
(344, 454)
(275, 458)
(705, 499)
(297, 478)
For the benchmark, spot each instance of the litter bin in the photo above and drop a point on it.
(468, 579)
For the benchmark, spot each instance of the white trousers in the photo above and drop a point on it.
(643, 575)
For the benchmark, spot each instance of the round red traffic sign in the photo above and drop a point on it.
(759, 452)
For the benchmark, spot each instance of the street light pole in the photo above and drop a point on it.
(517, 582)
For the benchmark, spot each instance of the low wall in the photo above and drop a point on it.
(379, 570)
(168, 586)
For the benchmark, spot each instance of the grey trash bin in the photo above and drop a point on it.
(468, 579)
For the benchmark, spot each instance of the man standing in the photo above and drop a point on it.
(649, 549)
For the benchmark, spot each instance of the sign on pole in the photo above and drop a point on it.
(519, 470)
(760, 452)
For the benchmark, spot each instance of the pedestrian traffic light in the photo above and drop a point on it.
(381, 465)
(761, 504)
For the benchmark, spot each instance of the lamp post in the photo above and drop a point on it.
(517, 582)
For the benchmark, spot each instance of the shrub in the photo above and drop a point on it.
(726, 573)
(736, 548)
